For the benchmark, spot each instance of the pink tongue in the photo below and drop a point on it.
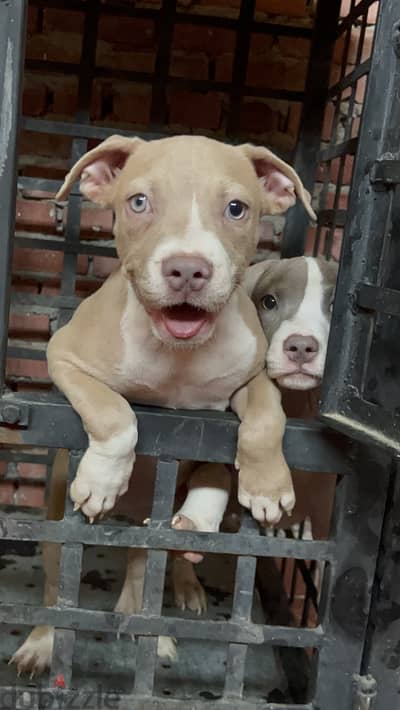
(183, 321)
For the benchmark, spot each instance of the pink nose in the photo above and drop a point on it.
(186, 272)
(301, 348)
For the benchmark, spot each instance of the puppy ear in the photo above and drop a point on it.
(279, 183)
(99, 168)
(254, 272)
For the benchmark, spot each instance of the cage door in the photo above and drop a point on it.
(361, 393)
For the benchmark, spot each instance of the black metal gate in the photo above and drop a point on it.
(328, 672)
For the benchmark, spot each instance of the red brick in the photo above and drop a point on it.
(36, 369)
(361, 88)
(7, 491)
(328, 122)
(36, 215)
(31, 496)
(32, 470)
(288, 74)
(96, 222)
(65, 97)
(3, 467)
(347, 173)
(41, 260)
(140, 61)
(54, 47)
(345, 8)
(34, 97)
(22, 287)
(224, 67)
(290, 8)
(104, 265)
(373, 13)
(294, 119)
(32, 24)
(132, 105)
(213, 41)
(258, 117)
(294, 47)
(28, 325)
(330, 200)
(45, 145)
(62, 21)
(261, 44)
(136, 32)
(193, 110)
(189, 66)
(366, 47)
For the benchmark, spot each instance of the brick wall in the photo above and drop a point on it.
(130, 44)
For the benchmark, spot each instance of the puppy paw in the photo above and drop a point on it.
(34, 656)
(189, 593)
(101, 479)
(267, 499)
(166, 647)
(182, 522)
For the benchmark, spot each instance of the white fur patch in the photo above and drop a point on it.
(196, 241)
(308, 320)
(205, 506)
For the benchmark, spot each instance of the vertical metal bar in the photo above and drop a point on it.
(165, 29)
(12, 51)
(162, 510)
(308, 145)
(68, 592)
(240, 62)
(346, 590)
(241, 611)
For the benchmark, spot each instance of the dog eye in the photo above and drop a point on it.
(269, 302)
(138, 202)
(236, 209)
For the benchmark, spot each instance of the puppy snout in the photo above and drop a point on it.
(301, 348)
(186, 272)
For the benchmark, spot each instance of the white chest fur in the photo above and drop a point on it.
(205, 377)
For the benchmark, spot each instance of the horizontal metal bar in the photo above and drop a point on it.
(332, 218)
(83, 130)
(164, 539)
(335, 151)
(37, 183)
(191, 435)
(350, 79)
(50, 302)
(145, 625)
(377, 299)
(26, 353)
(92, 248)
(385, 172)
(84, 699)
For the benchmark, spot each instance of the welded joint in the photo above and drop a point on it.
(365, 692)
(14, 414)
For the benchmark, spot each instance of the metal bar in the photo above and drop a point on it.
(350, 79)
(239, 71)
(118, 536)
(381, 300)
(357, 10)
(12, 50)
(348, 147)
(153, 592)
(307, 445)
(58, 244)
(346, 591)
(241, 610)
(335, 218)
(316, 91)
(142, 625)
(165, 29)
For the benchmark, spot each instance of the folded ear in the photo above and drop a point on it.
(254, 272)
(279, 183)
(98, 169)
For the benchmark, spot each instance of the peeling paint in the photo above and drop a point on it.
(6, 108)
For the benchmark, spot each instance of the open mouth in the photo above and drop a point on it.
(184, 321)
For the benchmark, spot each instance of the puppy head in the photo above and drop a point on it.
(293, 298)
(186, 215)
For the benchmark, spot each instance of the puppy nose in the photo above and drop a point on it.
(191, 272)
(301, 348)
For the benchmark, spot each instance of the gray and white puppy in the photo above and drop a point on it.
(294, 299)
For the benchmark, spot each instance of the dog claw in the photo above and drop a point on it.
(91, 520)
(76, 507)
(146, 521)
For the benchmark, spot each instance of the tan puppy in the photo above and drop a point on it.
(173, 327)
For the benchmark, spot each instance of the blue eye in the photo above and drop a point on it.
(138, 202)
(269, 302)
(236, 209)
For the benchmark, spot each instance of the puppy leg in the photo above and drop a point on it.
(265, 482)
(105, 469)
(189, 593)
(34, 656)
(131, 597)
(205, 504)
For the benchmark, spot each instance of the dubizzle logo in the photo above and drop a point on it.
(58, 698)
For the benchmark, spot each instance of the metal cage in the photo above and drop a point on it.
(325, 666)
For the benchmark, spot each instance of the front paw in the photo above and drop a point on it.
(267, 498)
(100, 480)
